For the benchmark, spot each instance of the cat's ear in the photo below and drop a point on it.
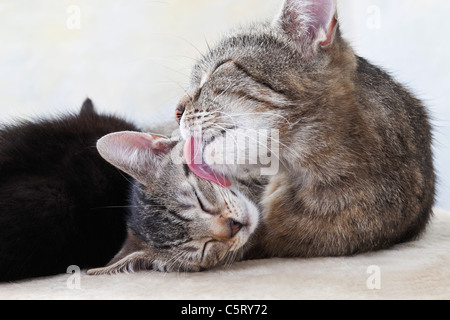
(134, 256)
(138, 154)
(87, 108)
(311, 24)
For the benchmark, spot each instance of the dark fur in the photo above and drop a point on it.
(61, 203)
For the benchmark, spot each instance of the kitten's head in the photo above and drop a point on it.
(273, 78)
(177, 221)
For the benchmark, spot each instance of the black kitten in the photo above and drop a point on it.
(61, 203)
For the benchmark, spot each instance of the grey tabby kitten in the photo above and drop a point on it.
(176, 221)
(356, 170)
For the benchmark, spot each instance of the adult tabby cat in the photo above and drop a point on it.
(61, 203)
(356, 171)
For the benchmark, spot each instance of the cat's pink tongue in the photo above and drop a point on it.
(194, 156)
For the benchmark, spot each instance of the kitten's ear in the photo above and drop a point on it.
(311, 24)
(87, 108)
(134, 256)
(138, 154)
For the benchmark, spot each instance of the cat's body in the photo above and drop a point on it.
(356, 169)
(61, 203)
(369, 187)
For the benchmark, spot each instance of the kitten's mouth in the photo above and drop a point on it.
(193, 152)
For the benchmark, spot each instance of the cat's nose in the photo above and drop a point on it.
(179, 113)
(235, 227)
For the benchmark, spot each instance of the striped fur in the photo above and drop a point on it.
(356, 170)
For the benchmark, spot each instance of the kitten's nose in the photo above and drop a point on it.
(235, 227)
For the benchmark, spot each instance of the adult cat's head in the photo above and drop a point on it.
(290, 78)
(177, 221)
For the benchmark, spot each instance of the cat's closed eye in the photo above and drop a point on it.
(204, 207)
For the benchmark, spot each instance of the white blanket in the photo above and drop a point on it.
(415, 270)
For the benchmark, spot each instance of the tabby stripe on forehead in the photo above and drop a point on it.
(199, 91)
(218, 65)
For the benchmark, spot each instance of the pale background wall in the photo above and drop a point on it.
(133, 57)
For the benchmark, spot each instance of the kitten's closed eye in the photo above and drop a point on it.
(204, 207)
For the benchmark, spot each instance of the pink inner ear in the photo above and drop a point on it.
(142, 141)
(306, 20)
(330, 33)
(161, 145)
(322, 12)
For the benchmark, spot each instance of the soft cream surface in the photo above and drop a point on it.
(416, 270)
